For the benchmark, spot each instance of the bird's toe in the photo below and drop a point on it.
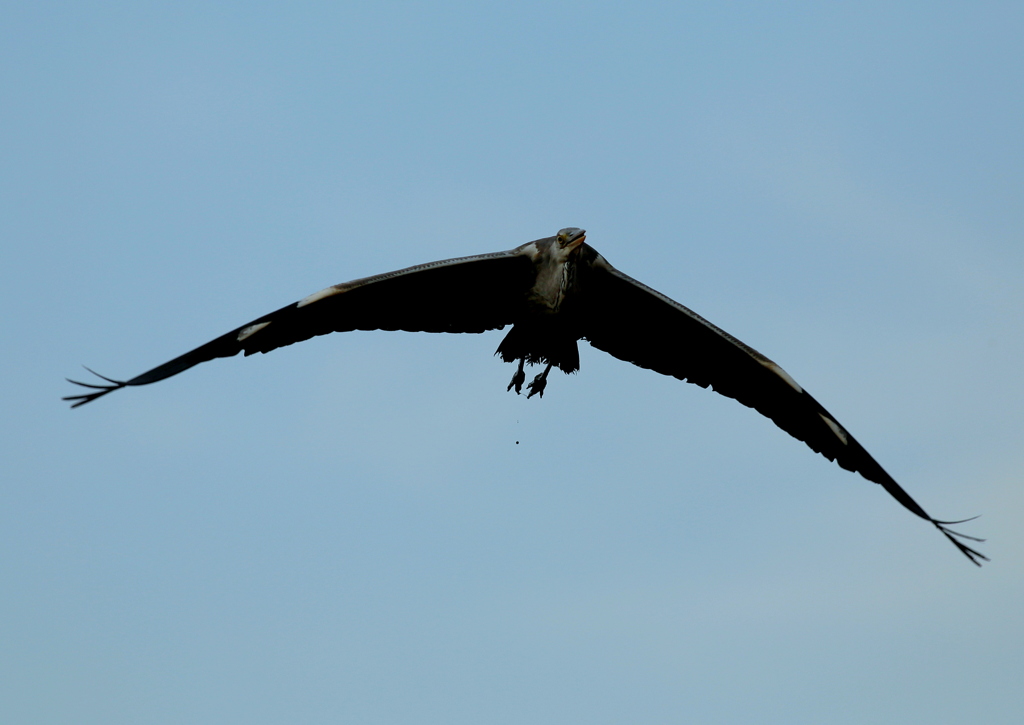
(537, 386)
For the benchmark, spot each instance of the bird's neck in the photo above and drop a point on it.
(556, 278)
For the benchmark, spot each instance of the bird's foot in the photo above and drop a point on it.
(539, 383)
(518, 379)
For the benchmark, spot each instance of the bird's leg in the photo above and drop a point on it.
(539, 383)
(519, 378)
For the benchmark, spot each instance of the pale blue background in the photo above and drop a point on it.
(346, 530)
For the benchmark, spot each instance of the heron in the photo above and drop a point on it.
(553, 292)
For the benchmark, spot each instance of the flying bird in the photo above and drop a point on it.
(553, 292)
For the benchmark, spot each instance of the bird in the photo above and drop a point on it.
(554, 292)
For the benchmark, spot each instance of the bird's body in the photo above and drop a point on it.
(554, 292)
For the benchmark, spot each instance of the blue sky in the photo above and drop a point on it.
(367, 527)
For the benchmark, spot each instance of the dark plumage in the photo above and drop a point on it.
(554, 292)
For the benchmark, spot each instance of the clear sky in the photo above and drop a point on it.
(367, 528)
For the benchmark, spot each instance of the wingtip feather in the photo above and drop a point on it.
(101, 389)
(975, 556)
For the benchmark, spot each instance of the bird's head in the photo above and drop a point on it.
(570, 238)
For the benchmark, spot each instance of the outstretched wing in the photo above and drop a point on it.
(637, 324)
(468, 294)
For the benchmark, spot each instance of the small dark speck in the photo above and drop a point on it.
(517, 443)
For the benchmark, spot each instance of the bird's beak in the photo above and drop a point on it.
(570, 238)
